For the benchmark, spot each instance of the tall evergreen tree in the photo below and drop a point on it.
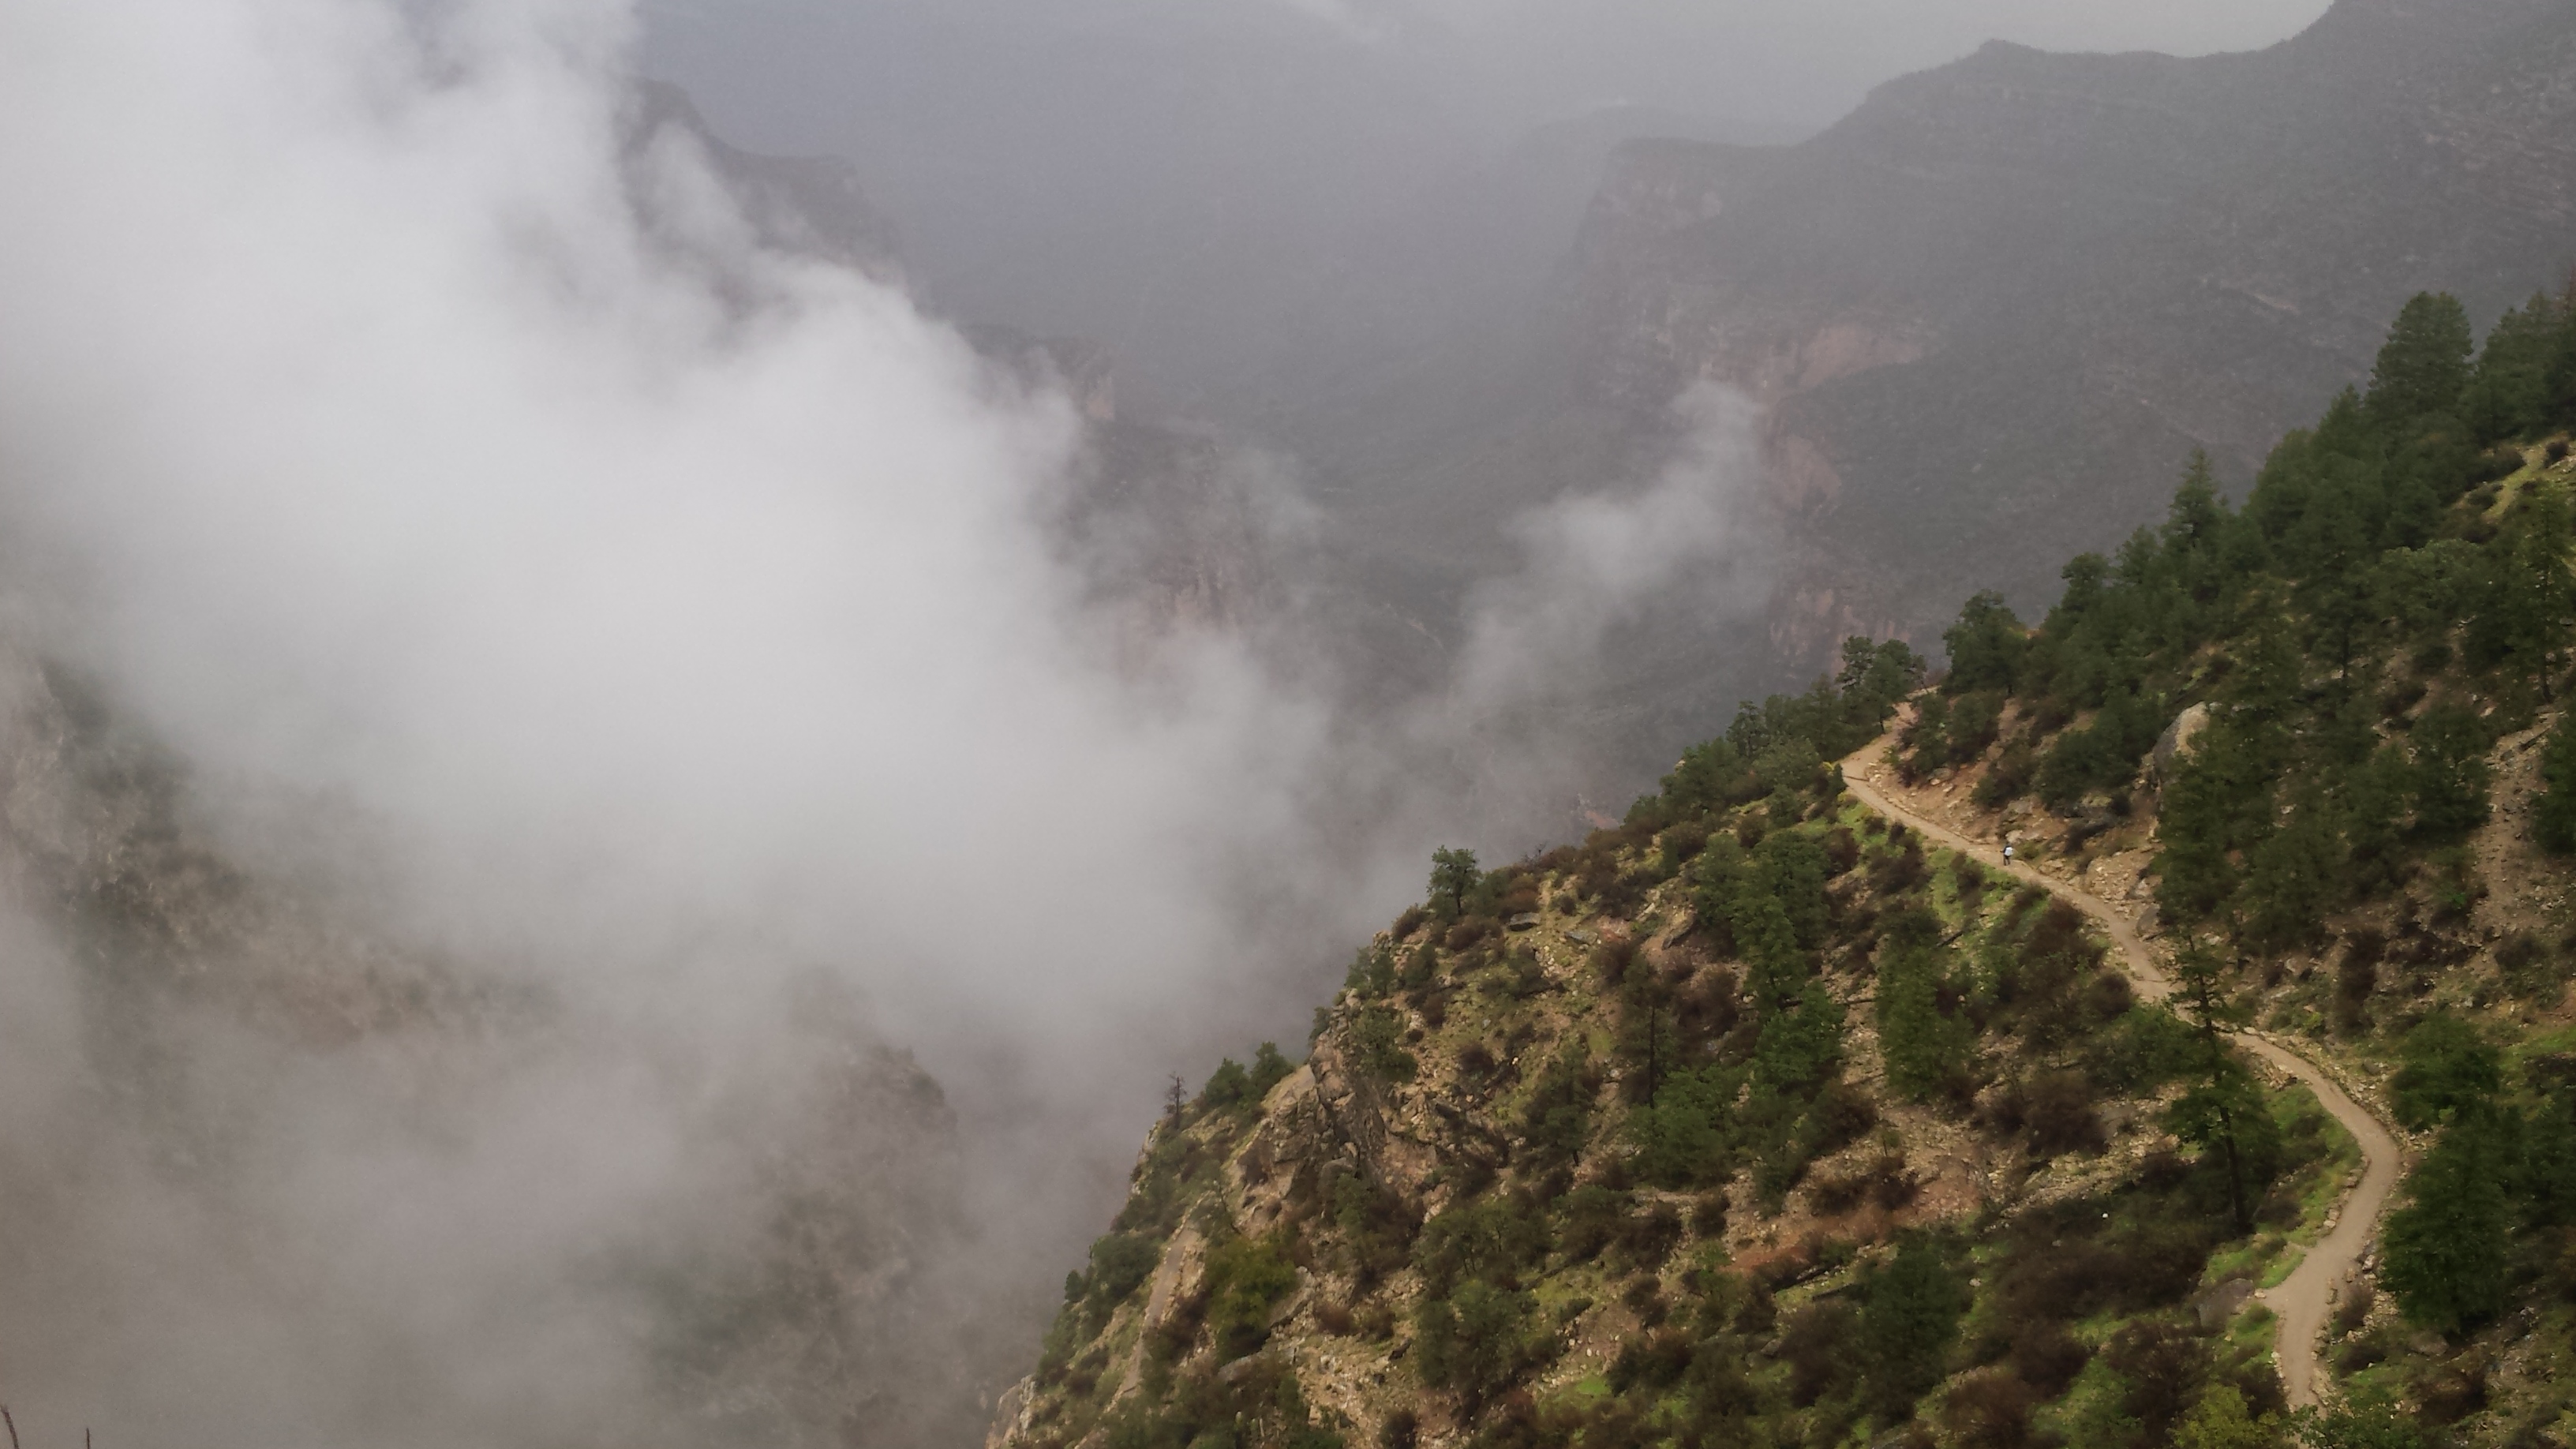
(2222, 1113)
(2446, 1248)
(1925, 1047)
(2291, 878)
(2528, 607)
(2450, 774)
(1907, 1323)
(1986, 646)
(2553, 813)
(2507, 395)
(2424, 365)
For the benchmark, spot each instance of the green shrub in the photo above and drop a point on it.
(1246, 1279)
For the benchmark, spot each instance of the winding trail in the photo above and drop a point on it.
(2302, 1300)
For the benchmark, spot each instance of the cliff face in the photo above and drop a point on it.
(1995, 307)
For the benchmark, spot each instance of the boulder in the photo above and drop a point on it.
(2175, 742)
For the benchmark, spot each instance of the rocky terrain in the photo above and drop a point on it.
(1579, 1157)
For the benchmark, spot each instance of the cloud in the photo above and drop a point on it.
(1594, 561)
(649, 623)
(644, 668)
(1649, 572)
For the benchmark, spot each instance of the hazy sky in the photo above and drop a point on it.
(1758, 59)
(1185, 179)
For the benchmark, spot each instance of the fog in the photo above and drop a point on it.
(590, 699)
(1248, 198)
(588, 858)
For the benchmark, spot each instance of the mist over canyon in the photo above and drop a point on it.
(657, 661)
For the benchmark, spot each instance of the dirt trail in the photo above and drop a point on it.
(2301, 1301)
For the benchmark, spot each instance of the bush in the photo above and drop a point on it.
(1376, 1044)
(1820, 1343)
(2047, 1357)
(1476, 1340)
(1989, 1409)
(2553, 812)
(1492, 1239)
(1648, 1239)
(2011, 775)
(1246, 1279)
(2057, 1108)
(2164, 1365)
(1654, 1360)
(1120, 1264)
(1589, 1220)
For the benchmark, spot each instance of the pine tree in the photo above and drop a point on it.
(2291, 876)
(2450, 774)
(2507, 394)
(2553, 812)
(2449, 1072)
(2197, 514)
(2222, 1113)
(2446, 1248)
(1925, 1049)
(2528, 608)
(2425, 363)
(1907, 1323)
(2374, 808)
(1986, 646)
(1798, 1048)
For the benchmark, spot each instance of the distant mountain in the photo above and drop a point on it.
(1994, 308)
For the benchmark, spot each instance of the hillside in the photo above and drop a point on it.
(1764, 1118)
(1989, 308)
(1994, 298)
(1756, 1117)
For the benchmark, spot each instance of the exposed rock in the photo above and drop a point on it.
(2175, 742)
